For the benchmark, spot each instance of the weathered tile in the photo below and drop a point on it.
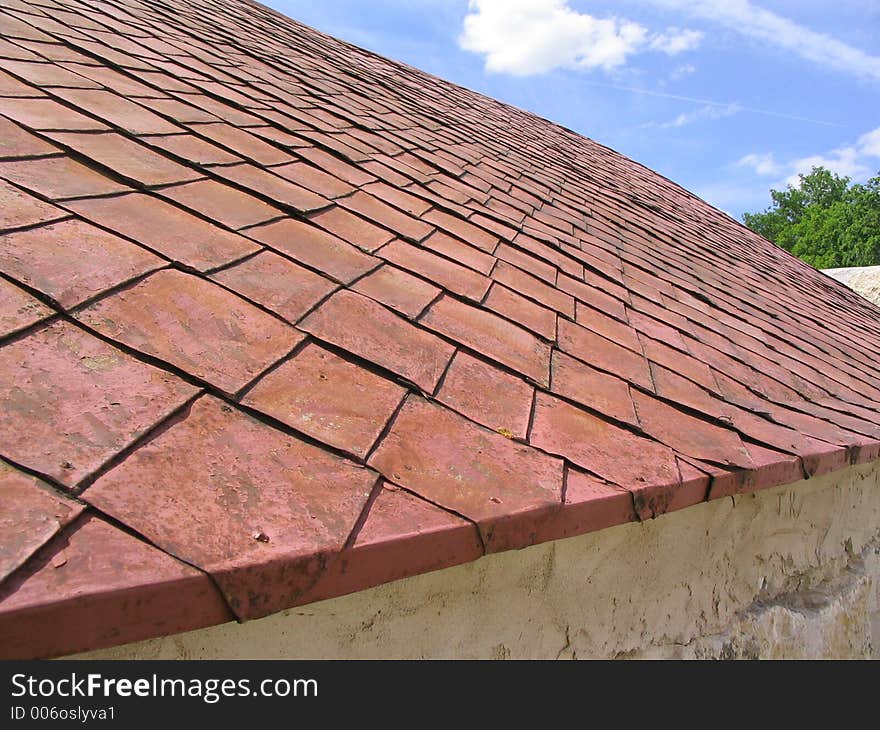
(351, 228)
(690, 435)
(126, 158)
(335, 166)
(72, 261)
(460, 228)
(194, 325)
(11, 87)
(44, 113)
(222, 203)
(487, 395)
(374, 209)
(461, 252)
(367, 329)
(110, 585)
(402, 536)
(19, 209)
(333, 400)
(48, 75)
(527, 263)
(594, 294)
(17, 142)
(191, 148)
(174, 233)
(503, 486)
(116, 111)
(602, 448)
(18, 309)
(314, 179)
(599, 391)
(398, 198)
(58, 178)
(596, 350)
(72, 401)
(534, 288)
(263, 518)
(590, 505)
(114, 80)
(31, 513)
(397, 289)
(489, 334)
(242, 143)
(608, 327)
(524, 311)
(277, 283)
(276, 188)
(441, 271)
(315, 248)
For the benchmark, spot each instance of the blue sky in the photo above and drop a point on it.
(726, 97)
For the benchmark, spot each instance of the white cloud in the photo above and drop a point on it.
(845, 161)
(675, 41)
(708, 111)
(679, 72)
(854, 161)
(768, 27)
(526, 37)
(763, 164)
(869, 143)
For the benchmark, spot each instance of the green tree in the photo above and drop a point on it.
(824, 220)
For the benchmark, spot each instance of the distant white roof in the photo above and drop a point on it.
(864, 280)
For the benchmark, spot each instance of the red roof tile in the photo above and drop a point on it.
(116, 111)
(111, 586)
(262, 518)
(470, 470)
(194, 325)
(16, 142)
(368, 270)
(395, 288)
(365, 328)
(488, 395)
(315, 248)
(30, 516)
(18, 209)
(328, 398)
(492, 336)
(58, 177)
(18, 309)
(166, 229)
(443, 271)
(276, 283)
(220, 202)
(44, 113)
(72, 402)
(72, 260)
(126, 158)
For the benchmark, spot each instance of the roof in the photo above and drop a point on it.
(283, 320)
(864, 280)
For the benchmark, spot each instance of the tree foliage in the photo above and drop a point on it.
(824, 220)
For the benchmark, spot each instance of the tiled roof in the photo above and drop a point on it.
(282, 320)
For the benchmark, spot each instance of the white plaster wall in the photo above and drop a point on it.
(789, 572)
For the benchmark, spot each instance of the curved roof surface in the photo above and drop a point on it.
(282, 320)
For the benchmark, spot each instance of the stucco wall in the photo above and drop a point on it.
(790, 572)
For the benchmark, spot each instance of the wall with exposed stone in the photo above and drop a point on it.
(789, 572)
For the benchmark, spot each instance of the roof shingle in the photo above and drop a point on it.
(302, 320)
